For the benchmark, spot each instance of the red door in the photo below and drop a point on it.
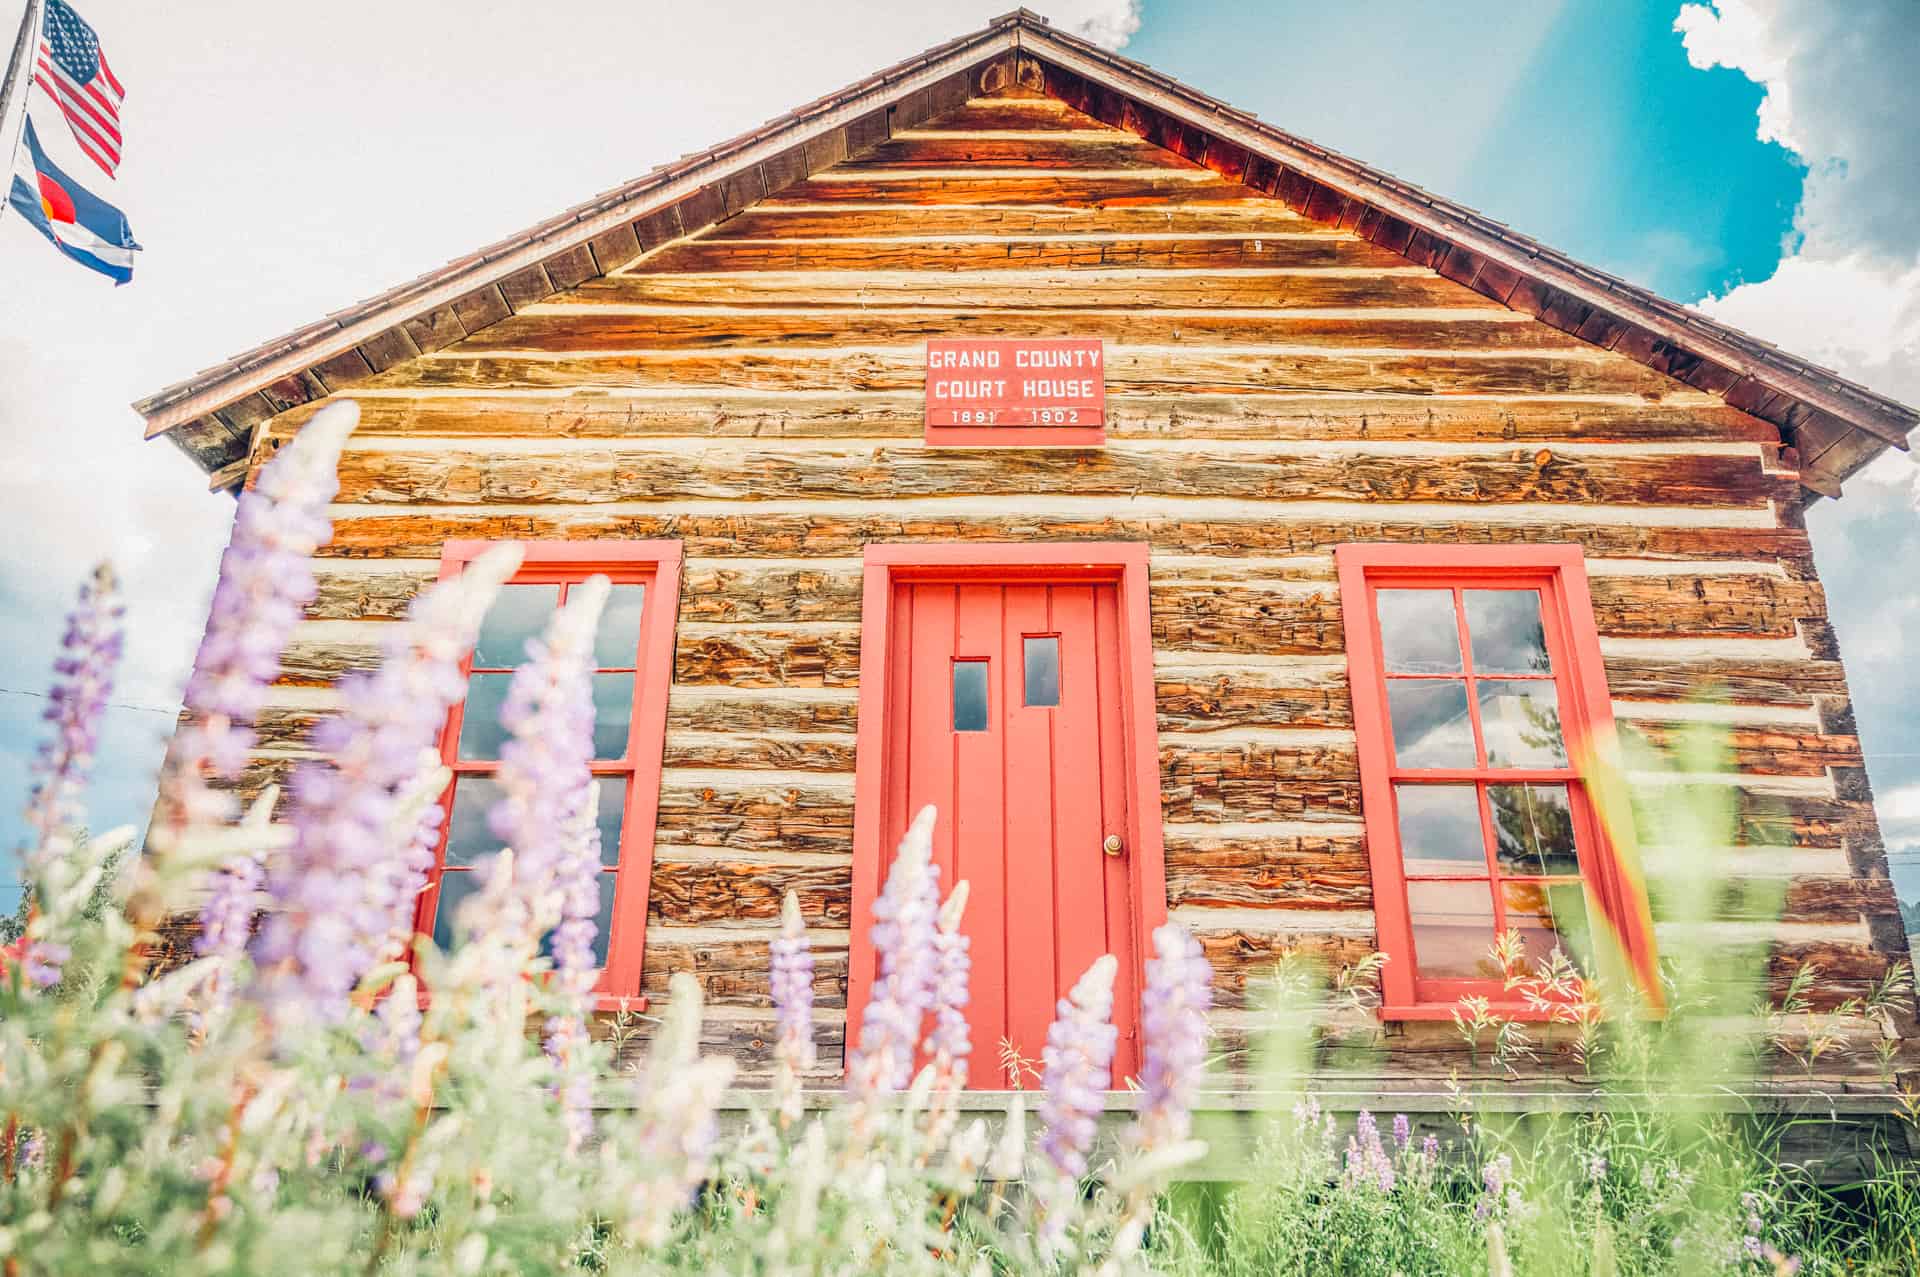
(1005, 712)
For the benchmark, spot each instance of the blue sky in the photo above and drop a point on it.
(270, 190)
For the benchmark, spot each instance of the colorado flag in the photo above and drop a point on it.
(81, 225)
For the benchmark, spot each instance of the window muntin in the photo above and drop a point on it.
(1470, 701)
(633, 649)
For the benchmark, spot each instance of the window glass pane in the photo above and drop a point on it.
(468, 837)
(969, 696)
(613, 806)
(1522, 723)
(1452, 929)
(518, 613)
(612, 714)
(1533, 830)
(1440, 830)
(480, 732)
(1043, 671)
(616, 645)
(1549, 914)
(1418, 633)
(455, 885)
(603, 924)
(1430, 723)
(1505, 630)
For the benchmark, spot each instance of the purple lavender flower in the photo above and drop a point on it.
(951, 1040)
(266, 581)
(790, 976)
(903, 932)
(545, 809)
(1402, 1130)
(1367, 1160)
(1430, 1150)
(226, 919)
(1173, 1024)
(335, 905)
(83, 676)
(1077, 1069)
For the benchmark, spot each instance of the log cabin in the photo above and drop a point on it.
(1213, 527)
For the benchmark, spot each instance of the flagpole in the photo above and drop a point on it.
(22, 50)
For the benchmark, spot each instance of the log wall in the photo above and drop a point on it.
(1276, 387)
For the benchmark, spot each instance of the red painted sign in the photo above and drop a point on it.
(1016, 390)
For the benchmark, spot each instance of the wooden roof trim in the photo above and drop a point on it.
(1475, 250)
(474, 283)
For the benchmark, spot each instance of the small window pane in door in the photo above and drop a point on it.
(469, 838)
(1043, 671)
(612, 714)
(481, 734)
(969, 696)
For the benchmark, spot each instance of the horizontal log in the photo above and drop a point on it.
(1748, 606)
(789, 254)
(770, 657)
(1748, 682)
(1129, 370)
(693, 892)
(794, 752)
(1764, 751)
(902, 416)
(1025, 114)
(1199, 700)
(1243, 959)
(1259, 783)
(745, 1036)
(1048, 290)
(757, 710)
(733, 973)
(746, 811)
(717, 592)
(346, 594)
(1268, 872)
(840, 533)
(850, 185)
(774, 219)
(629, 472)
(572, 329)
(1114, 150)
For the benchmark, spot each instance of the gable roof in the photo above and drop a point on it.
(1834, 426)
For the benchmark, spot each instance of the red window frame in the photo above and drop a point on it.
(655, 564)
(1558, 572)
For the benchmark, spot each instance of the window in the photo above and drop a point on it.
(1477, 681)
(633, 659)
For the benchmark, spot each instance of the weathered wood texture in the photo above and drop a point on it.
(1278, 386)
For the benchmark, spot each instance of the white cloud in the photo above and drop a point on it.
(1841, 94)
(1108, 23)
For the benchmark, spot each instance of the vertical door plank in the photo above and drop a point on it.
(1033, 980)
(930, 768)
(1120, 921)
(1079, 871)
(979, 821)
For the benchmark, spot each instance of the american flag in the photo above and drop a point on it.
(73, 69)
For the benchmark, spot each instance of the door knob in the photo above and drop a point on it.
(1112, 845)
